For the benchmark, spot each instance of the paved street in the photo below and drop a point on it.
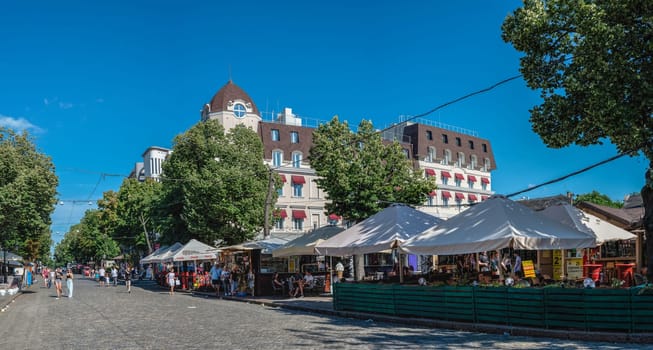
(149, 318)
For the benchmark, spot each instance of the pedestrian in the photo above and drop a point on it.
(518, 269)
(69, 282)
(101, 276)
(128, 279)
(51, 279)
(58, 276)
(171, 280)
(114, 276)
(216, 273)
(45, 273)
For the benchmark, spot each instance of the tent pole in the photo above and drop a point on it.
(401, 268)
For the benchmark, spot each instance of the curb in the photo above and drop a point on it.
(6, 303)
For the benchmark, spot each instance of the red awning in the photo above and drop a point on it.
(460, 195)
(471, 178)
(430, 172)
(472, 197)
(446, 194)
(485, 180)
(460, 176)
(433, 193)
(483, 198)
(298, 214)
(446, 174)
(281, 213)
(283, 178)
(296, 179)
(334, 217)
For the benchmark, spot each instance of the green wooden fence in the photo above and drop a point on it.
(602, 309)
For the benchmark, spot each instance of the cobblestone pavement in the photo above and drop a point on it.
(149, 318)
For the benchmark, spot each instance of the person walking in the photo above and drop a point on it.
(114, 276)
(128, 279)
(101, 276)
(69, 282)
(58, 276)
(171, 280)
(216, 273)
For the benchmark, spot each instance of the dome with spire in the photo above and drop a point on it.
(229, 94)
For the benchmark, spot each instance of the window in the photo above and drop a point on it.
(278, 224)
(457, 181)
(486, 164)
(445, 201)
(473, 162)
(430, 154)
(447, 157)
(294, 137)
(460, 162)
(484, 186)
(277, 158)
(445, 138)
(445, 180)
(484, 146)
(297, 189)
(275, 134)
(458, 142)
(280, 191)
(471, 144)
(431, 201)
(470, 183)
(296, 159)
(298, 224)
(429, 135)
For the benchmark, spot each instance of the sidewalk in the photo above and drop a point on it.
(324, 305)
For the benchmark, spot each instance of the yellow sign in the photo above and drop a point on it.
(574, 268)
(557, 264)
(529, 268)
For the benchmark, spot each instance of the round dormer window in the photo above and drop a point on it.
(239, 110)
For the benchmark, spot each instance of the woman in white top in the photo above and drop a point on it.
(171, 280)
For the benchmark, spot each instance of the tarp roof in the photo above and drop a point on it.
(381, 231)
(158, 255)
(305, 245)
(574, 217)
(493, 224)
(267, 246)
(193, 250)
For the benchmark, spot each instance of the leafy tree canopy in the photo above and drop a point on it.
(27, 196)
(215, 185)
(360, 173)
(598, 198)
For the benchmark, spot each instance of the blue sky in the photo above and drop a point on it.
(97, 83)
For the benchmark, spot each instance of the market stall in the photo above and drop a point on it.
(192, 262)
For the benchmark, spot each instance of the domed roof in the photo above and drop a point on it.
(230, 92)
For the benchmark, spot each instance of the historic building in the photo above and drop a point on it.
(459, 159)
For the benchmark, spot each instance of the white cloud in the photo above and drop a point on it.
(18, 124)
(55, 101)
(65, 105)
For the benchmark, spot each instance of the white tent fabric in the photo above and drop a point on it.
(193, 250)
(305, 245)
(267, 246)
(493, 224)
(381, 231)
(158, 255)
(574, 217)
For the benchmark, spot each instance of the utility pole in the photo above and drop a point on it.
(266, 209)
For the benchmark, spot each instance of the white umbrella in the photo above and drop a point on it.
(382, 231)
(494, 224)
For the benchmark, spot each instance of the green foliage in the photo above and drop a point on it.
(598, 198)
(214, 185)
(360, 173)
(592, 62)
(86, 241)
(27, 196)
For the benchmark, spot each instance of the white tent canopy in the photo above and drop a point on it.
(381, 231)
(158, 255)
(191, 251)
(574, 217)
(305, 245)
(494, 224)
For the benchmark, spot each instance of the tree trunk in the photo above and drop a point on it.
(147, 236)
(647, 199)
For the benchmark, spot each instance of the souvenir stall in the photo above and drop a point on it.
(156, 261)
(192, 263)
(251, 265)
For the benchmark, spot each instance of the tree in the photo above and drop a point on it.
(598, 198)
(593, 64)
(360, 173)
(215, 184)
(27, 196)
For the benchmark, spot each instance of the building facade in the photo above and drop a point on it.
(460, 161)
